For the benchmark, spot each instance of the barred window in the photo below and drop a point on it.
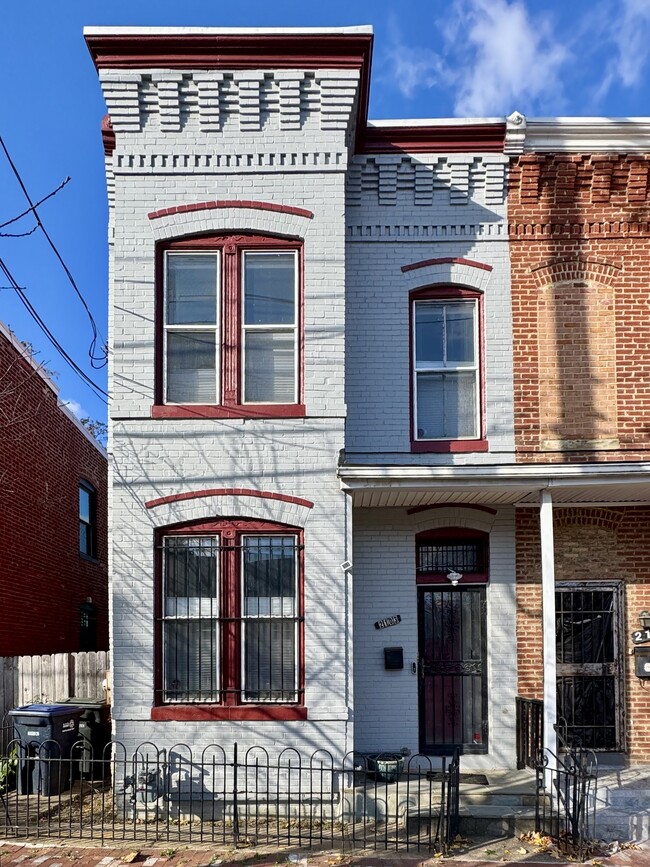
(230, 621)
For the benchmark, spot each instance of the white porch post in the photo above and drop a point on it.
(548, 620)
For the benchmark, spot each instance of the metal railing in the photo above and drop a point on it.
(566, 800)
(530, 731)
(229, 796)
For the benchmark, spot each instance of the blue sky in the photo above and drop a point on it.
(431, 59)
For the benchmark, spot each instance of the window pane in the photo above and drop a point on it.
(446, 405)
(84, 505)
(270, 660)
(269, 288)
(429, 334)
(192, 289)
(269, 576)
(190, 660)
(191, 570)
(191, 367)
(84, 538)
(460, 332)
(269, 367)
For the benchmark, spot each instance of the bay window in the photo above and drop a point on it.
(230, 614)
(446, 376)
(229, 325)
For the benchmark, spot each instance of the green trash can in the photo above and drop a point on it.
(47, 733)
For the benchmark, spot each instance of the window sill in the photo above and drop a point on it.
(89, 558)
(449, 446)
(207, 713)
(267, 410)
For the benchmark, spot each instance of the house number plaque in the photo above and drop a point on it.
(388, 621)
(640, 636)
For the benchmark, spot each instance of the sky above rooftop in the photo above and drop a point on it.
(431, 59)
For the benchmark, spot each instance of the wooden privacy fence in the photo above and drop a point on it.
(50, 678)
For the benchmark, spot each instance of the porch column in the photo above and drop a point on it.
(548, 620)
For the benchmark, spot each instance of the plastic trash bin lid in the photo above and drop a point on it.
(45, 710)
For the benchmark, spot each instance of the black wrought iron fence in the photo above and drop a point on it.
(566, 800)
(236, 796)
(530, 731)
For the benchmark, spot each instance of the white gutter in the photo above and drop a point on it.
(537, 476)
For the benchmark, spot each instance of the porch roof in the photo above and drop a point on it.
(389, 486)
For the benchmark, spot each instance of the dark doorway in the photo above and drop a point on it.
(453, 669)
(589, 677)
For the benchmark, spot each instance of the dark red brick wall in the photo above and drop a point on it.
(580, 253)
(43, 576)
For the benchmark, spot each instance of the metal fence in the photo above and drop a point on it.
(229, 796)
(566, 800)
(530, 731)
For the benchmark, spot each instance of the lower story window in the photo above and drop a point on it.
(230, 614)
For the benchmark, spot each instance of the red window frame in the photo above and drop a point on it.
(449, 293)
(231, 405)
(231, 705)
(451, 536)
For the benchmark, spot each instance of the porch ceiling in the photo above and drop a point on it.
(520, 484)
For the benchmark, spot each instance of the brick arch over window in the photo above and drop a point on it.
(257, 505)
(454, 516)
(574, 268)
(446, 271)
(452, 549)
(223, 216)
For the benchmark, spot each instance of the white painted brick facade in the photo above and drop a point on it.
(285, 137)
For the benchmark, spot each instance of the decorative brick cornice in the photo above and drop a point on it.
(563, 270)
(231, 203)
(578, 230)
(446, 260)
(228, 492)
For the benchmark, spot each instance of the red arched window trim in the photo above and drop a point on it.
(450, 537)
(479, 443)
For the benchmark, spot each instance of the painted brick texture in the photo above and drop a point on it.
(590, 545)
(43, 457)
(580, 254)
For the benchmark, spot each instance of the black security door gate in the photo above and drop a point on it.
(589, 678)
(453, 670)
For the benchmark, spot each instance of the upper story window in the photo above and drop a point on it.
(447, 394)
(230, 614)
(230, 326)
(87, 519)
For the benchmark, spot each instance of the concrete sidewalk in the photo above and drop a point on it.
(479, 853)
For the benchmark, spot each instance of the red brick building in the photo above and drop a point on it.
(53, 476)
(578, 208)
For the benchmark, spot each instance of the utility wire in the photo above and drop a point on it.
(40, 202)
(75, 367)
(19, 234)
(93, 345)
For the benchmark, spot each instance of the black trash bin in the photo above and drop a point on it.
(46, 733)
(95, 733)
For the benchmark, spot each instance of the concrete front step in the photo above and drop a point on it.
(479, 821)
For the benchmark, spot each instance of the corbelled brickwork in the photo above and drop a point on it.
(580, 253)
(44, 454)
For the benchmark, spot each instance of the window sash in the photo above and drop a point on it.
(267, 375)
(201, 383)
(451, 418)
(87, 520)
(269, 662)
(191, 621)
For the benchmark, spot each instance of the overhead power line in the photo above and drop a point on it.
(38, 204)
(99, 391)
(33, 208)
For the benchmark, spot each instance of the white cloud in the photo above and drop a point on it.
(75, 407)
(628, 26)
(511, 60)
(412, 68)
